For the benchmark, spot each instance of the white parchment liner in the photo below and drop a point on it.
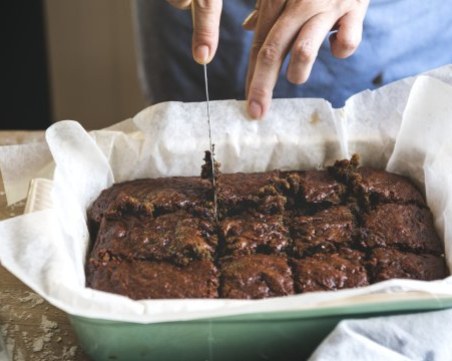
(405, 127)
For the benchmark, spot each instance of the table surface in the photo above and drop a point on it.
(31, 328)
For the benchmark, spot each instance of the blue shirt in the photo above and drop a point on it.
(400, 38)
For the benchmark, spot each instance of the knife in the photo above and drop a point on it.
(211, 147)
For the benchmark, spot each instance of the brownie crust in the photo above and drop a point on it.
(255, 276)
(150, 280)
(406, 227)
(330, 271)
(386, 264)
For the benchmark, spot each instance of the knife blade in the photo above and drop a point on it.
(211, 146)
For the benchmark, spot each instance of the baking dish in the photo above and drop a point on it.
(289, 335)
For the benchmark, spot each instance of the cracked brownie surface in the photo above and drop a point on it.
(277, 233)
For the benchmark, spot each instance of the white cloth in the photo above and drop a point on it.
(419, 337)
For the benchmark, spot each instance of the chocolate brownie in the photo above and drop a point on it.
(159, 194)
(178, 237)
(315, 187)
(277, 233)
(380, 186)
(390, 263)
(255, 276)
(324, 231)
(253, 232)
(239, 191)
(142, 279)
(330, 271)
(402, 226)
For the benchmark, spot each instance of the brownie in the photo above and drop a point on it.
(151, 280)
(330, 271)
(390, 263)
(255, 276)
(178, 237)
(380, 186)
(253, 232)
(324, 231)
(160, 194)
(239, 191)
(406, 227)
(315, 187)
(277, 233)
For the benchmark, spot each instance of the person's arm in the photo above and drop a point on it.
(298, 27)
(206, 26)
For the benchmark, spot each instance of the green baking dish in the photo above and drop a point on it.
(262, 336)
(288, 335)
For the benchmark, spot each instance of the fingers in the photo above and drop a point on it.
(206, 24)
(349, 34)
(258, 94)
(306, 47)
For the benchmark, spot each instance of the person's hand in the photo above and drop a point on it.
(298, 27)
(206, 23)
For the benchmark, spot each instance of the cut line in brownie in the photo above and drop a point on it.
(323, 231)
(405, 227)
(330, 271)
(153, 280)
(177, 237)
(241, 191)
(255, 276)
(387, 263)
(378, 186)
(253, 232)
(315, 187)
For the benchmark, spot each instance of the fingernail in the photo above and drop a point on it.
(255, 109)
(249, 18)
(202, 54)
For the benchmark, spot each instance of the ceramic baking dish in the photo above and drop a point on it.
(259, 336)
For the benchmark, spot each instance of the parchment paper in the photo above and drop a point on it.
(404, 127)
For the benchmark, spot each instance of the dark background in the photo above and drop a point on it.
(24, 74)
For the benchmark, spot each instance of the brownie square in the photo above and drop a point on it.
(254, 233)
(390, 263)
(330, 271)
(157, 195)
(325, 230)
(379, 186)
(239, 191)
(151, 280)
(177, 237)
(315, 187)
(406, 227)
(255, 276)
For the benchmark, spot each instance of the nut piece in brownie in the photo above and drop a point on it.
(162, 194)
(239, 191)
(325, 230)
(330, 271)
(253, 232)
(378, 186)
(255, 276)
(178, 237)
(150, 280)
(406, 227)
(315, 187)
(390, 263)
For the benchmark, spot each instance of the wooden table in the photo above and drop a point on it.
(31, 328)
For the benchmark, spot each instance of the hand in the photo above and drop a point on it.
(206, 24)
(298, 27)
